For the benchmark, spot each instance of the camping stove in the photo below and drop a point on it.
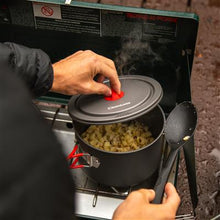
(165, 41)
(94, 201)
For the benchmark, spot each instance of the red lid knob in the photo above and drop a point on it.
(114, 96)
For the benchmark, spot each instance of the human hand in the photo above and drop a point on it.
(75, 74)
(137, 205)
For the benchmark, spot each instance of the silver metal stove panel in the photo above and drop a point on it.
(104, 208)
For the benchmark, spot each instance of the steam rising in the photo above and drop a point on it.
(139, 57)
(135, 56)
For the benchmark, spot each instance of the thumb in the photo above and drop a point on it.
(151, 195)
(173, 198)
(148, 194)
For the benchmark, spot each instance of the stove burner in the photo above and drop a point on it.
(86, 185)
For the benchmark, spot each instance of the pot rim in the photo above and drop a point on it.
(142, 94)
(128, 152)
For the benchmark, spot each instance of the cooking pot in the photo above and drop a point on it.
(139, 101)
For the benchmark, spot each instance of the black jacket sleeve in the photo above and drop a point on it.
(35, 182)
(32, 65)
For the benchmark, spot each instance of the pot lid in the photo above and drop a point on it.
(139, 95)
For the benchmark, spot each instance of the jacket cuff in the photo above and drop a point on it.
(44, 72)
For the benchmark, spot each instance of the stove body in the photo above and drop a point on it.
(159, 44)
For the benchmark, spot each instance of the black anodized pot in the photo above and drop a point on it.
(127, 168)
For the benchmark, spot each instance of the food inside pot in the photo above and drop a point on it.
(118, 137)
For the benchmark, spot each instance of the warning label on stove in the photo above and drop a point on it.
(66, 18)
(142, 26)
(46, 10)
(155, 27)
(103, 23)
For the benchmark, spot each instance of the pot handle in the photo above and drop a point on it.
(163, 177)
(74, 157)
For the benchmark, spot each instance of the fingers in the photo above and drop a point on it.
(100, 88)
(173, 199)
(75, 74)
(137, 205)
(103, 66)
(111, 74)
(101, 78)
(147, 195)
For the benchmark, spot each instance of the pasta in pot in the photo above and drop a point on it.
(118, 137)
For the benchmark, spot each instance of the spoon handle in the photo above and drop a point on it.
(163, 177)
